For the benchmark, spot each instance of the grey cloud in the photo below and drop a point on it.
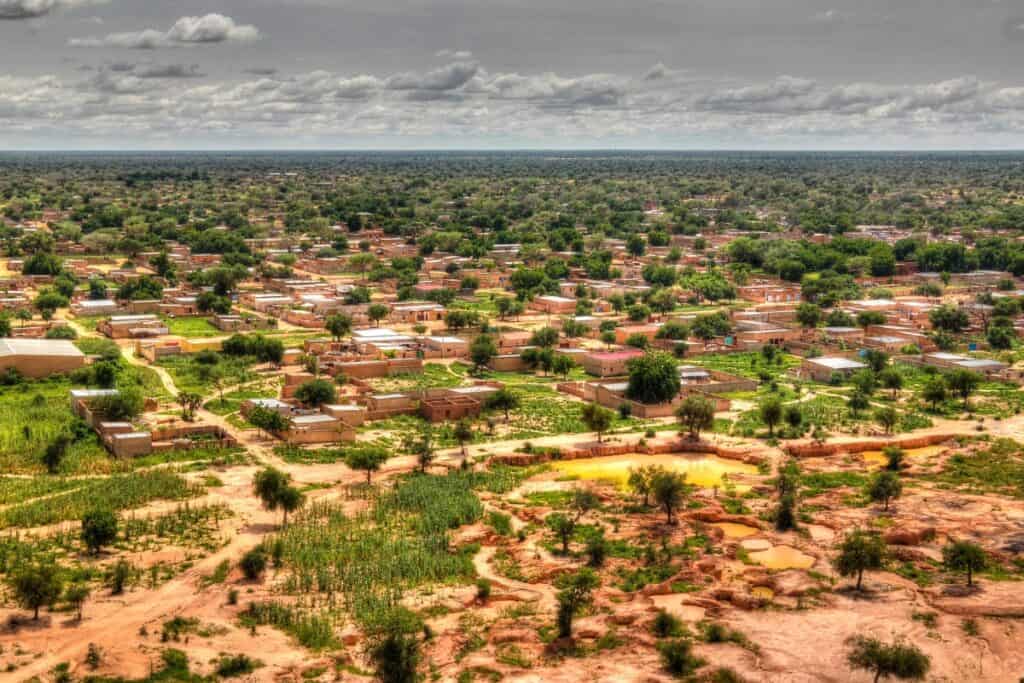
(207, 29)
(448, 77)
(169, 71)
(553, 90)
(32, 9)
(781, 88)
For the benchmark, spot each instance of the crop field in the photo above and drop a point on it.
(402, 542)
(118, 492)
(192, 327)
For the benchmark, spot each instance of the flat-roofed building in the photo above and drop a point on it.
(822, 369)
(39, 357)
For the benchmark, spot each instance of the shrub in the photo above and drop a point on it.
(678, 658)
(254, 563)
(666, 625)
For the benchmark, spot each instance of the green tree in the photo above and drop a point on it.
(641, 480)
(576, 592)
(563, 526)
(887, 417)
(36, 586)
(377, 312)
(339, 325)
(771, 413)
(481, 351)
(395, 649)
(964, 556)
(948, 318)
(860, 551)
(99, 528)
(887, 660)
(669, 491)
(597, 418)
(808, 315)
(504, 400)
(653, 378)
(273, 488)
(891, 379)
(316, 393)
(368, 460)
(75, 596)
(934, 391)
(190, 403)
(55, 452)
(885, 486)
(963, 383)
(858, 401)
(696, 413)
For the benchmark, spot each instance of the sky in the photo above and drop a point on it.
(511, 74)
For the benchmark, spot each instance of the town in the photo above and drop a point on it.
(327, 418)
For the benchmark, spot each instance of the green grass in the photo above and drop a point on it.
(191, 327)
(999, 469)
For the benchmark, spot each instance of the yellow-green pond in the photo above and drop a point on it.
(700, 469)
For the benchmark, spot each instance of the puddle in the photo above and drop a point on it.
(876, 459)
(782, 557)
(701, 470)
(733, 530)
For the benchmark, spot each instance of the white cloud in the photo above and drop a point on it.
(211, 28)
(448, 77)
(464, 102)
(31, 9)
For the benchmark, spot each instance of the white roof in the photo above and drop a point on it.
(312, 419)
(980, 363)
(943, 355)
(375, 333)
(837, 363)
(15, 346)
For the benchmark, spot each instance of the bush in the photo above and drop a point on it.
(239, 665)
(254, 563)
(666, 625)
(678, 658)
(483, 590)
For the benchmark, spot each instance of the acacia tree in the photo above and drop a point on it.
(368, 460)
(641, 480)
(860, 551)
(669, 491)
(934, 391)
(964, 556)
(377, 312)
(36, 586)
(597, 419)
(339, 325)
(963, 383)
(504, 400)
(696, 413)
(99, 528)
(887, 660)
(274, 489)
(575, 594)
(885, 486)
(771, 414)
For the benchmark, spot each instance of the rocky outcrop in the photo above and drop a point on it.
(815, 449)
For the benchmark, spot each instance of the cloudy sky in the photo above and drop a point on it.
(400, 74)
